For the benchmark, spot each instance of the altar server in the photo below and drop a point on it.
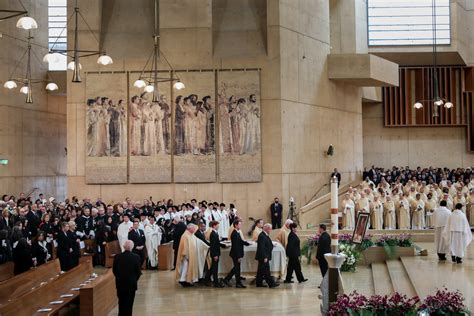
(457, 234)
(440, 218)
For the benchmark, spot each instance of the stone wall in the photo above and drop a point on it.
(419, 146)
(302, 111)
(32, 136)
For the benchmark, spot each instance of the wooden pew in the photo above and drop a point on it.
(6, 270)
(99, 297)
(23, 283)
(112, 248)
(42, 295)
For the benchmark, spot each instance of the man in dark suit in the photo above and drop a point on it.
(179, 229)
(200, 232)
(236, 253)
(324, 246)
(138, 237)
(215, 253)
(337, 175)
(264, 256)
(276, 210)
(127, 271)
(64, 250)
(293, 252)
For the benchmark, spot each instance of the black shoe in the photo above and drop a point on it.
(453, 258)
(302, 281)
(226, 282)
(172, 269)
(261, 285)
(458, 260)
(240, 286)
(243, 278)
(288, 281)
(274, 285)
(219, 285)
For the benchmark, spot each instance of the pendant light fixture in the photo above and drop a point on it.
(437, 100)
(27, 81)
(25, 22)
(76, 53)
(150, 77)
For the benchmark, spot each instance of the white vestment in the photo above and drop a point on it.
(348, 212)
(122, 232)
(440, 218)
(457, 233)
(152, 241)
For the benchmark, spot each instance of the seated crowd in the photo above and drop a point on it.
(401, 198)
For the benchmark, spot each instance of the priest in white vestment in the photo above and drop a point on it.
(152, 241)
(123, 229)
(191, 257)
(404, 213)
(418, 213)
(377, 214)
(457, 234)
(348, 207)
(440, 218)
(389, 213)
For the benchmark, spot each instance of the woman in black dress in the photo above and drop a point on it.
(39, 250)
(22, 257)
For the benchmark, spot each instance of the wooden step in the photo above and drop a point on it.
(382, 281)
(401, 282)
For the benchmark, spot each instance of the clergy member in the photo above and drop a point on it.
(282, 235)
(389, 213)
(191, 257)
(457, 234)
(440, 218)
(153, 240)
(348, 207)
(418, 212)
(123, 230)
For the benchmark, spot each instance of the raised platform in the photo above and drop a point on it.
(416, 275)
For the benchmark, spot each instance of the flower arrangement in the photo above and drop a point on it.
(357, 304)
(391, 242)
(402, 240)
(443, 302)
(353, 252)
(352, 257)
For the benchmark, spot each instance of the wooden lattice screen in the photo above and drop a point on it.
(456, 84)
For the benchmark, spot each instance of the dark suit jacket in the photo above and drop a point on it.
(127, 271)
(179, 230)
(64, 244)
(215, 245)
(264, 247)
(324, 245)
(276, 209)
(199, 234)
(237, 248)
(293, 249)
(137, 238)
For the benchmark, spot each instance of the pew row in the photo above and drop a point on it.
(99, 297)
(21, 284)
(6, 270)
(43, 294)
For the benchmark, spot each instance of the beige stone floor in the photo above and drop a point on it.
(159, 293)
